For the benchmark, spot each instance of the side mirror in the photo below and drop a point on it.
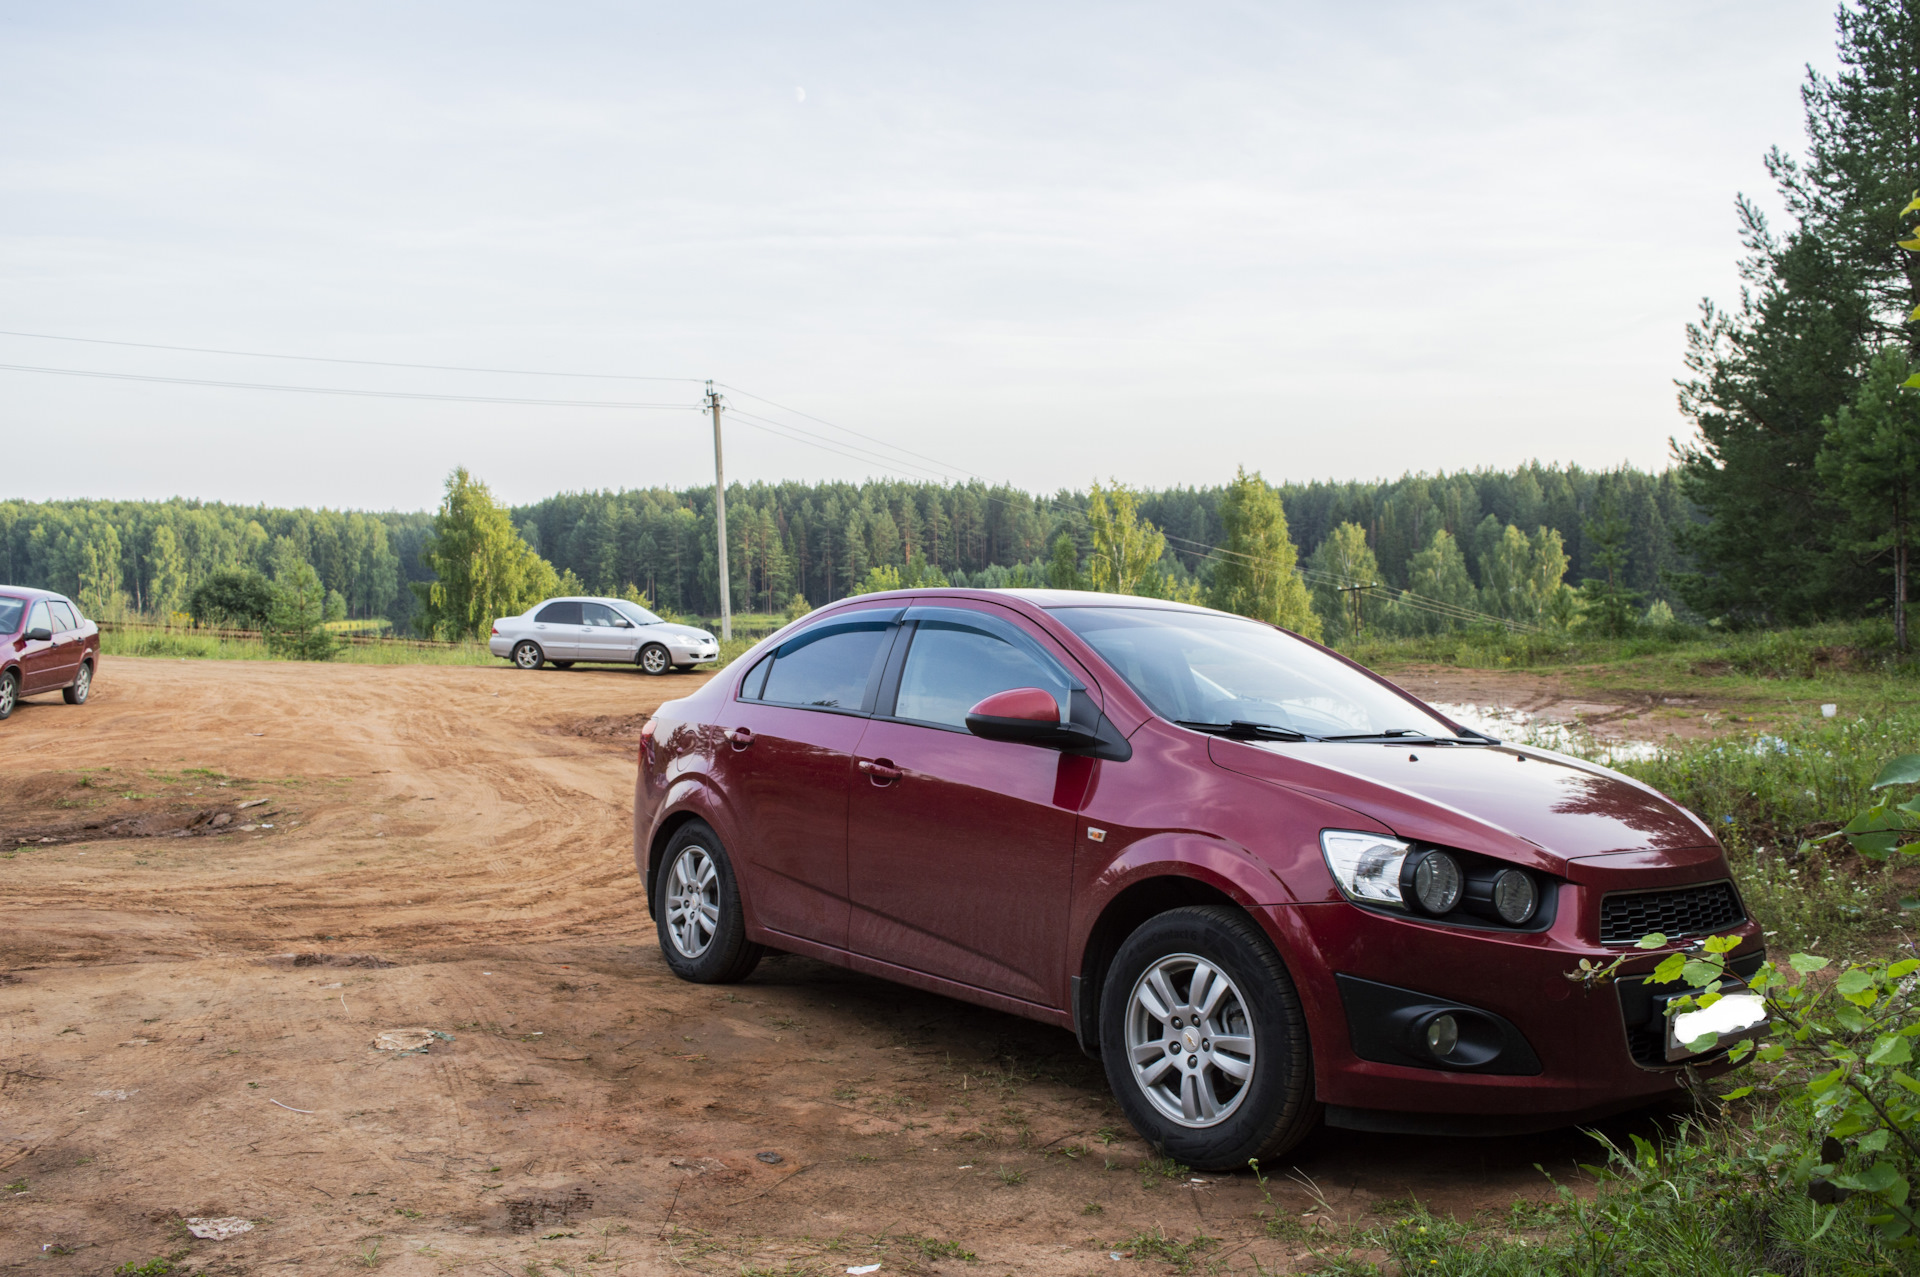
(40, 634)
(1028, 715)
(624, 624)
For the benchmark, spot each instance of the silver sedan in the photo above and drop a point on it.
(562, 631)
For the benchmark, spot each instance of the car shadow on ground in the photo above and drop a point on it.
(1041, 1077)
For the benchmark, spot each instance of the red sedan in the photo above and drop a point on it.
(1264, 886)
(45, 646)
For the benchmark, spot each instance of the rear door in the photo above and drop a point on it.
(556, 628)
(960, 850)
(791, 733)
(39, 658)
(69, 640)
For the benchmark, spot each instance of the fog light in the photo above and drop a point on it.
(1514, 897)
(1437, 882)
(1443, 1034)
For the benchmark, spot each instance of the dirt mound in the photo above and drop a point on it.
(624, 728)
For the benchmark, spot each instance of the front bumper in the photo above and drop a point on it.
(1588, 1066)
(694, 653)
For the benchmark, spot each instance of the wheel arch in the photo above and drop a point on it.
(1167, 888)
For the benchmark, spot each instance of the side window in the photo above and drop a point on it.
(953, 666)
(560, 614)
(38, 619)
(827, 668)
(62, 617)
(597, 614)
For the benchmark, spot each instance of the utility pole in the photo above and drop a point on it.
(720, 515)
(1356, 592)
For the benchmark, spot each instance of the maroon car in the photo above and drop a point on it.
(1261, 884)
(45, 646)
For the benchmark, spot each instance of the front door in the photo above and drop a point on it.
(39, 658)
(785, 766)
(68, 641)
(960, 850)
(606, 635)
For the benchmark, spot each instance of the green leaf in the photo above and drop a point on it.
(1806, 963)
(1702, 973)
(1904, 770)
(1738, 1093)
(1874, 1142)
(1705, 1042)
(1891, 1049)
(1652, 940)
(1671, 966)
(1913, 207)
(1722, 944)
(1741, 1050)
(1903, 968)
(1777, 1051)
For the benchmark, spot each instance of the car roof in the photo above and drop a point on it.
(1045, 599)
(31, 594)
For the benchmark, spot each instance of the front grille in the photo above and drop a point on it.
(1684, 911)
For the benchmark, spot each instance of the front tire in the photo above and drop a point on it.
(76, 692)
(696, 900)
(9, 692)
(654, 659)
(528, 656)
(1204, 1041)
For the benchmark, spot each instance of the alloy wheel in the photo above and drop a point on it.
(526, 656)
(654, 660)
(9, 692)
(693, 901)
(1190, 1040)
(82, 683)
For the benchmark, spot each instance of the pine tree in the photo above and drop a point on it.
(1872, 460)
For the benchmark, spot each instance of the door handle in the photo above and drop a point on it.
(882, 771)
(741, 737)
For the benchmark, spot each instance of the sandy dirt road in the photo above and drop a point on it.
(223, 879)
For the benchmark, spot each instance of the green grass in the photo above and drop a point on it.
(1704, 1202)
(187, 645)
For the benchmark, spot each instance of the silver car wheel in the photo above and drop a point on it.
(693, 901)
(654, 659)
(527, 656)
(9, 692)
(82, 684)
(1190, 1040)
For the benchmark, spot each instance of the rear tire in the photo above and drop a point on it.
(696, 902)
(1182, 980)
(654, 659)
(9, 692)
(528, 656)
(76, 692)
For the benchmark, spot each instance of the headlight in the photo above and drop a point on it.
(1367, 866)
(1514, 896)
(1437, 882)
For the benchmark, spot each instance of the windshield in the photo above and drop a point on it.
(10, 610)
(635, 613)
(1209, 670)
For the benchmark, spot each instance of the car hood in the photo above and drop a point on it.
(675, 630)
(1528, 805)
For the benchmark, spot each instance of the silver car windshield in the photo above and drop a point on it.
(1234, 676)
(635, 613)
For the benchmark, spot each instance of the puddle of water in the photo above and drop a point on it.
(1523, 728)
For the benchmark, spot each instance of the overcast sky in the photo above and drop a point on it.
(1036, 243)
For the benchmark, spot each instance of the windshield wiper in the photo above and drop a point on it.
(1242, 729)
(1408, 736)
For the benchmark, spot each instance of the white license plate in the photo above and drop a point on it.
(1733, 1017)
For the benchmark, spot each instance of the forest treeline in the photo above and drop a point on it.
(822, 540)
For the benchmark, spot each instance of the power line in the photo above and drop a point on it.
(364, 363)
(334, 390)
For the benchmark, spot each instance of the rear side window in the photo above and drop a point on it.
(10, 610)
(560, 614)
(598, 614)
(953, 666)
(827, 668)
(63, 617)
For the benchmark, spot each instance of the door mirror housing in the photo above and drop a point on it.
(1029, 715)
(624, 623)
(40, 634)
